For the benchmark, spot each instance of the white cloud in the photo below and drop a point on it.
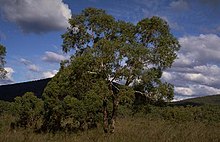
(33, 68)
(168, 76)
(196, 71)
(184, 91)
(184, 60)
(37, 16)
(8, 79)
(10, 71)
(30, 66)
(49, 74)
(199, 50)
(202, 49)
(24, 61)
(200, 78)
(197, 90)
(53, 57)
(172, 24)
(208, 69)
(179, 5)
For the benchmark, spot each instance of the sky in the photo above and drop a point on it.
(31, 31)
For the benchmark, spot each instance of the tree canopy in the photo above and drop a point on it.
(112, 60)
(122, 51)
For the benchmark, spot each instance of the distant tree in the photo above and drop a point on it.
(112, 59)
(2, 61)
(29, 109)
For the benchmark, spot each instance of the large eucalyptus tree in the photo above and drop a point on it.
(119, 56)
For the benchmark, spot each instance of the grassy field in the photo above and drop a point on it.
(149, 124)
(131, 129)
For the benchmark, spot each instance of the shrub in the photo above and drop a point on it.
(29, 110)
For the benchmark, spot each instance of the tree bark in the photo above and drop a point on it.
(105, 116)
(114, 112)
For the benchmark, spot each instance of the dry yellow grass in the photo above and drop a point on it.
(137, 129)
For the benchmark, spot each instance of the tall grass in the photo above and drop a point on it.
(130, 129)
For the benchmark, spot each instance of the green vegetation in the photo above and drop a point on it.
(195, 124)
(108, 51)
(85, 96)
(29, 110)
(206, 100)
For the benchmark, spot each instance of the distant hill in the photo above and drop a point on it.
(209, 100)
(9, 92)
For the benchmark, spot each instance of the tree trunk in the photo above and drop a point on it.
(114, 112)
(105, 116)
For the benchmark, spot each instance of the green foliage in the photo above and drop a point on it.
(2, 61)
(205, 100)
(73, 98)
(124, 51)
(6, 107)
(205, 114)
(108, 51)
(29, 109)
(199, 123)
(136, 54)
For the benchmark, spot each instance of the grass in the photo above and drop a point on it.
(131, 129)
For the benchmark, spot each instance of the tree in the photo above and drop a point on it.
(123, 56)
(29, 109)
(2, 61)
(73, 98)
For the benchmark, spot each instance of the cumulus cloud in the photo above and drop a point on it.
(184, 91)
(199, 78)
(196, 71)
(8, 79)
(202, 49)
(185, 60)
(197, 90)
(168, 76)
(37, 16)
(49, 74)
(53, 57)
(179, 5)
(30, 66)
(208, 69)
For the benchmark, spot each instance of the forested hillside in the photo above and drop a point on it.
(9, 92)
(205, 100)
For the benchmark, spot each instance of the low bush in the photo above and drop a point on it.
(29, 110)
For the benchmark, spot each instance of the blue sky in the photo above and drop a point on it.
(31, 30)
